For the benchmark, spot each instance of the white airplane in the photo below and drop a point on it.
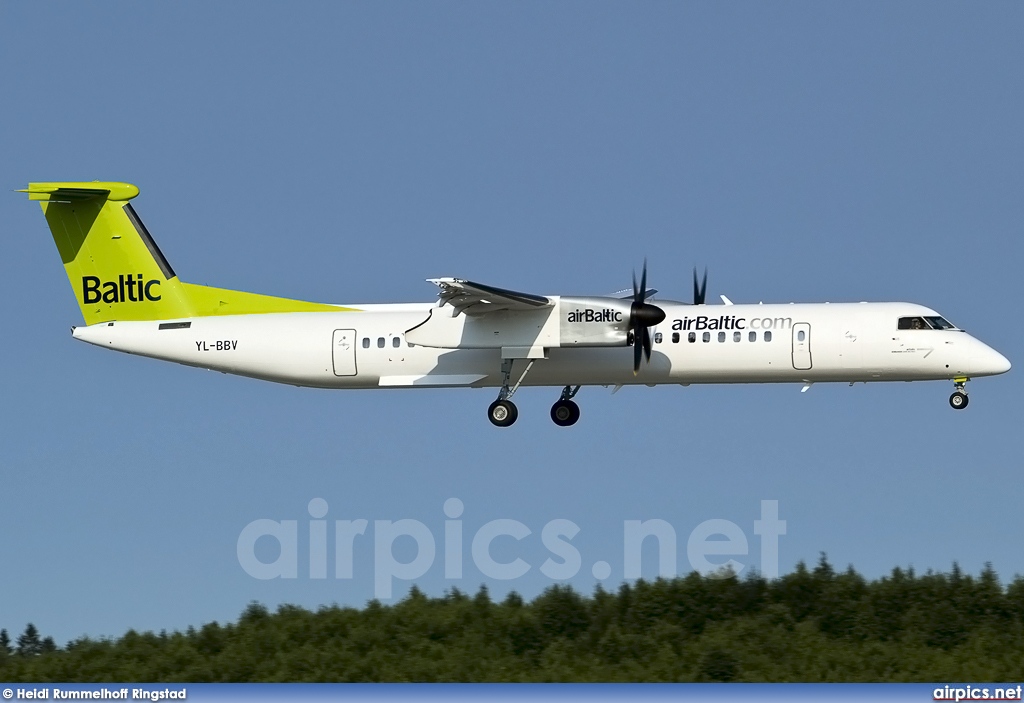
(477, 335)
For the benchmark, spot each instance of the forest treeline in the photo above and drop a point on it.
(814, 624)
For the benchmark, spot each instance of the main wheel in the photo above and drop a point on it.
(502, 413)
(958, 401)
(565, 413)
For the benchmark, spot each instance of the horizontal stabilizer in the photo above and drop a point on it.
(80, 190)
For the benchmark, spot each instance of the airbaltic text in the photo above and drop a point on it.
(731, 322)
(588, 315)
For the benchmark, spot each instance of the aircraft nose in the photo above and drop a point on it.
(989, 362)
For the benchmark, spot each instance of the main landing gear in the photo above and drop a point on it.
(959, 399)
(503, 412)
(565, 412)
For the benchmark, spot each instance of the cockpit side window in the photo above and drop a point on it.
(912, 323)
(924, 323)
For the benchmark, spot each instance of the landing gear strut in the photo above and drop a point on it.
(503, 412)
(565, 412)
(959, 399)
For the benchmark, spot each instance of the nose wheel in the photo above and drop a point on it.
(959, 399)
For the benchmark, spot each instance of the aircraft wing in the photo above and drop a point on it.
(479, 299)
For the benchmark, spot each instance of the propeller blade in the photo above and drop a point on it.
(642, 316)
(699, 292)
(643, 283)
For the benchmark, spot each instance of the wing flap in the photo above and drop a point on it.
(480, 299)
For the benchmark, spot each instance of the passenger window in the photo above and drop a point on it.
(752, 336)
(721, 336)
(675, 338)
(737, 336)
(366, 342)
(380, 342)
(692, 337)
(396, 342)
(801, 336)
(767, 336)
(658, 338)
(707, 336)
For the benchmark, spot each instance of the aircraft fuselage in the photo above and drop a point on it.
(790, 343)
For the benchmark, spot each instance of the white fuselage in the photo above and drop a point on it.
(367, 348)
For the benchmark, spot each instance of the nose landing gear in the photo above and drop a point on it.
(565, 412)
(959, 399)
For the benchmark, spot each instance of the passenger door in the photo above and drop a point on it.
(344, 349)
(802, 346)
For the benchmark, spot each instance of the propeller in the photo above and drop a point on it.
(700, 291)
(642, 316)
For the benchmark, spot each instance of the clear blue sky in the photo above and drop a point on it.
(346, 152)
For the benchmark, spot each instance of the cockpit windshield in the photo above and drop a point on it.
(939, 323)
(924, 323)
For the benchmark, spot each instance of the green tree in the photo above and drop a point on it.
(29, 643)
(718, 665)
(811, 625)
(5, 643)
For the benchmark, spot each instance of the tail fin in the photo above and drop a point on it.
(116, 269)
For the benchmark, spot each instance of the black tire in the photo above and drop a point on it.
(502, 413)
(958, 401)
(565, 413)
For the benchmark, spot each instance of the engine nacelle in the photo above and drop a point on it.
(570, 322)
(593, 322)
